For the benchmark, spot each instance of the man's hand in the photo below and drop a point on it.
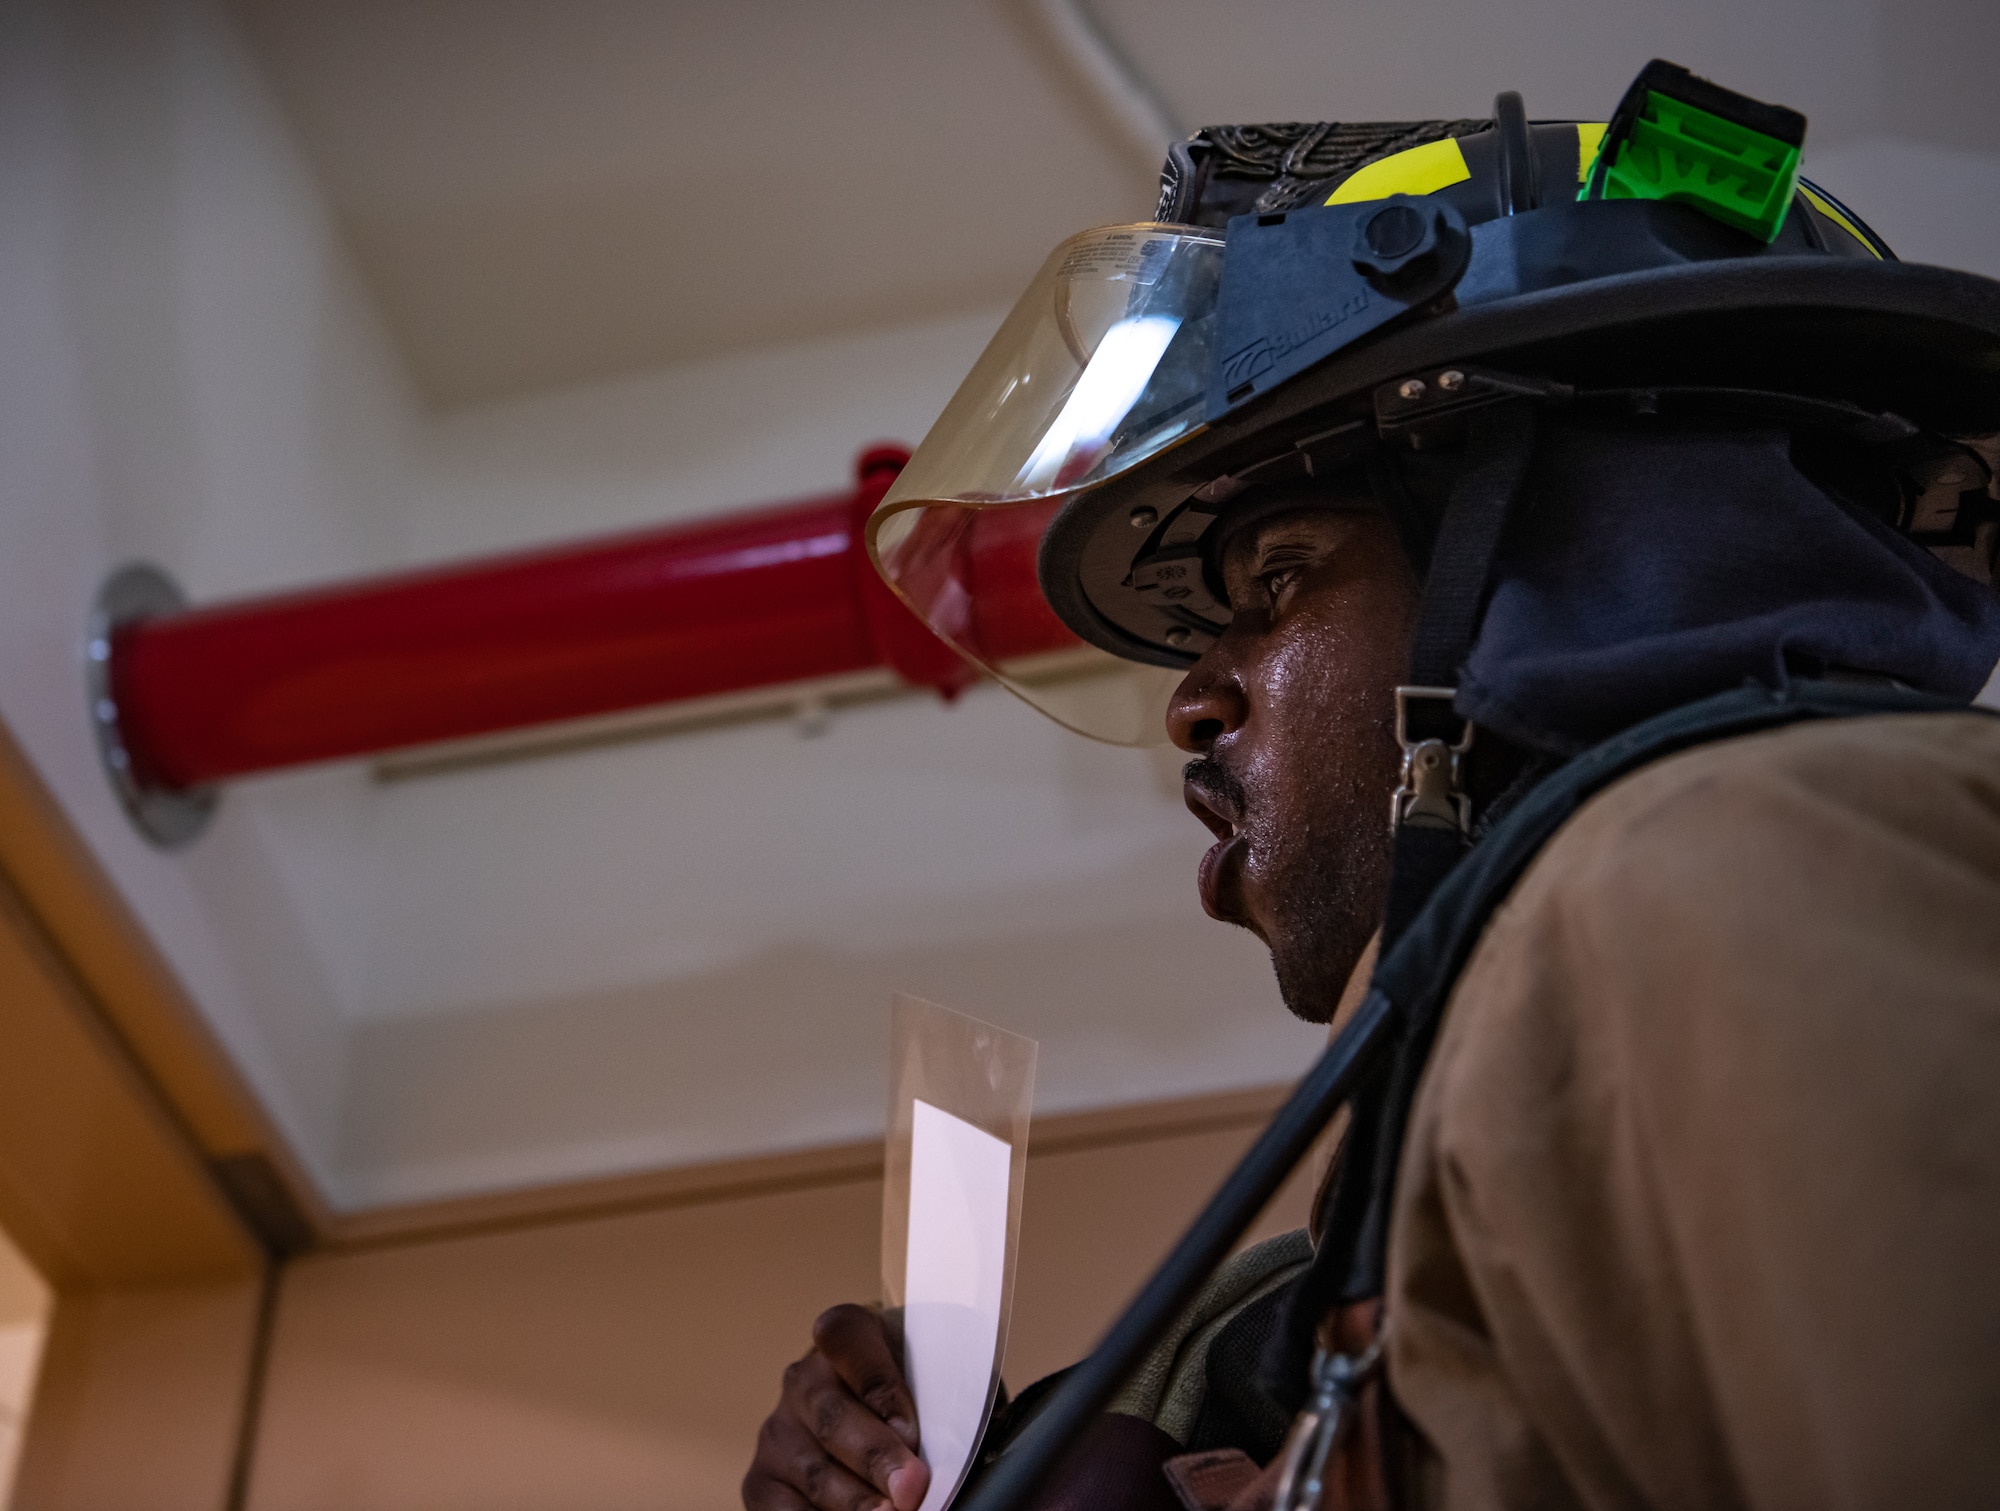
(845, 1432)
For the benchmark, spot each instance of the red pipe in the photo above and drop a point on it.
(780, 595)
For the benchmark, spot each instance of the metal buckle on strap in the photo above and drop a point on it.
(1431, 796)
(1318, 1430)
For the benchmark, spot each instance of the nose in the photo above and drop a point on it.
(1207, 705)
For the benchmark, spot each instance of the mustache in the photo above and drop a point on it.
(1211, 778)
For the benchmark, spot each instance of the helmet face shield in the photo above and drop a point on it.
(969, 571)
(1102, 364)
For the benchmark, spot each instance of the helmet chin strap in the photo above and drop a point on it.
(1432, 823)
(1431, 814)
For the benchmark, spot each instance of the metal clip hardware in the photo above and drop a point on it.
(1431, 795)
(1318, 1429)
(1423, 408)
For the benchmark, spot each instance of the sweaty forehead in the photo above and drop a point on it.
(1311, 531)
(1319, 519)
(1254, 513)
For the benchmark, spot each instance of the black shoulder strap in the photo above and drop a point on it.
(1421, 967)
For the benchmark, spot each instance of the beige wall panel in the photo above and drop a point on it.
(24, 1311)
(107, 1085)
(96, 1185)
(604, 1363)
(24, 1294)
(87, 922)
(140, 1400)
(625, 1361)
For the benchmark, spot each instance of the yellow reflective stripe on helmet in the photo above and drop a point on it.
(1589, 137)
(1825, 208)
(1416, 170)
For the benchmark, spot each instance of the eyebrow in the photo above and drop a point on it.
(1303, 529)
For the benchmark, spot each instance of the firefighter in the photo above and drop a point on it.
(1566, 551)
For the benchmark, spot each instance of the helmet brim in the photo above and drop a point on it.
(1921, 342)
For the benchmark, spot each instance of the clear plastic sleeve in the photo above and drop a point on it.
(961, 1092)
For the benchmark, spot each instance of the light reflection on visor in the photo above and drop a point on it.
(1102, 364)
(1116, 375)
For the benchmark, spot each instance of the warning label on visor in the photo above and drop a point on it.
(1133, 256)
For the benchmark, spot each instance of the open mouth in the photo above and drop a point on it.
(1219, 881)
(1220, 876)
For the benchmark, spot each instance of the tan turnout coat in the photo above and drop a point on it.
(1700, 1206)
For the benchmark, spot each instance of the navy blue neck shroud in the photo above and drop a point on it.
(1643, 570)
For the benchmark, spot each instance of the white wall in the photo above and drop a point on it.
(683, 949)
(190, 376)
(751, 427)
(1931, 203)
(1263, 60)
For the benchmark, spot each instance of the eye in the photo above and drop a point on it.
(1279, 575)
(1259, 591)
(1261, 578)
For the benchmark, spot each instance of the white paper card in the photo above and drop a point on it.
(956, 1265)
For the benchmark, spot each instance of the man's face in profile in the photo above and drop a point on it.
(1291, 717)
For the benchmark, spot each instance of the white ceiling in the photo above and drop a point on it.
(540, 193)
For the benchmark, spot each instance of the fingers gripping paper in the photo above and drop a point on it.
(951, 1219)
